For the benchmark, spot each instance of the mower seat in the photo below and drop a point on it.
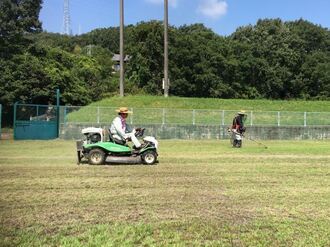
(114, 140)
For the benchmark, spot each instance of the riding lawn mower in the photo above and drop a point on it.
(96, 150)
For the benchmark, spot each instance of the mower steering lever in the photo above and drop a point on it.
(139, 132)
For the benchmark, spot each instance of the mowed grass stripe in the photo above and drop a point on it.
(201, 193)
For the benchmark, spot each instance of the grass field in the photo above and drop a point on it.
(202, 193)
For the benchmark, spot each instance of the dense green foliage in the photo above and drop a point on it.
(33, 64)
(17, 18)
(270, 60)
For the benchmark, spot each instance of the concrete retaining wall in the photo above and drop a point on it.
(170, 131)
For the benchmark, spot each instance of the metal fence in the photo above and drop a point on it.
(34, 122)
(31, 112)
(140, 116)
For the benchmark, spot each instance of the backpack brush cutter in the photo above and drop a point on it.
(247, 137)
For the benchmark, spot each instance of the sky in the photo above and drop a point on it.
(222, 16)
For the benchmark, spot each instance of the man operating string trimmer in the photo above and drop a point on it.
(238, 129)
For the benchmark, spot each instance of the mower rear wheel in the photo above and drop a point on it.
(149, 157)
(96, 157)
(79, 157)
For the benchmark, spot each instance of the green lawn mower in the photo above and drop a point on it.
(96, 150)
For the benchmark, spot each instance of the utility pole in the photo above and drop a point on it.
(166, 84)
(121, 86)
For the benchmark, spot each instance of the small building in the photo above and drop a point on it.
(116, 61)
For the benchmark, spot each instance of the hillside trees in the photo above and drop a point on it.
(193, 51)
(33, 64)
(145, 47)
(17, 18)
(41, 70)
(315, 66)
(267, 60)
(272, 59)
(280, 51)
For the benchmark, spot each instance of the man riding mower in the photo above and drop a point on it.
(97, 150)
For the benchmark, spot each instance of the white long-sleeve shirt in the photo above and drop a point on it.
(118, 127)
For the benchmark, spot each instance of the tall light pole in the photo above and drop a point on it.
(166, 84)
(121, 86)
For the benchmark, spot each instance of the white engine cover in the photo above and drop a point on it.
(151, 139)
(92, 130)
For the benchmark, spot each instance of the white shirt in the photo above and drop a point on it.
(118, 127)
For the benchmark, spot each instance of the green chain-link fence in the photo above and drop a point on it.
(199, 124)
(104, 115)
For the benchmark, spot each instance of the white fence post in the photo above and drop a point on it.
(131, 118)
(305, 119)
(64, 115)
(193, 115)
(163, 120)
(98, 114)
(251, 121)
(223, 118)
(278, 118)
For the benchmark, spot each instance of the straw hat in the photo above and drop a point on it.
(241, 112)
(123, 110)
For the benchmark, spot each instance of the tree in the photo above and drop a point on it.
(17, 17)
(145, 48)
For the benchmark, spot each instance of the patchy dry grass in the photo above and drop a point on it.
(202, 193)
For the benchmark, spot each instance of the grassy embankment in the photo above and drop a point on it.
(202, 193)
(179, 110)
(219, 104)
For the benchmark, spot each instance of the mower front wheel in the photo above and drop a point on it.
(149, 157)
(96, 157)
